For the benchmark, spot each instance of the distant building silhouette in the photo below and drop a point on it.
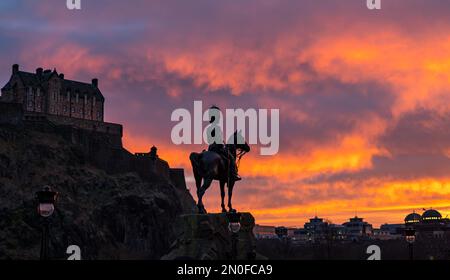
(428, 225)
(315, 229)
(413, 218)
(318, 230)
(264, 232)
(430, 228)
(356, 228)
(389, 232)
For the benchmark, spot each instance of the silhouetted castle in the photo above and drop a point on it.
(47, 95)
(45, 100)
(48, 92)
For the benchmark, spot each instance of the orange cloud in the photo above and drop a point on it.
(416, 69)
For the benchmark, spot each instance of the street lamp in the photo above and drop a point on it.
(46, 206)
(234, 226)
(410, 236)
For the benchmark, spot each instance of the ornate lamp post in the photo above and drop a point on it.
(234, 226)
(410, 236)
(46, 206)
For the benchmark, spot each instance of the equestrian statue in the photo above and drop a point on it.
(218, 162)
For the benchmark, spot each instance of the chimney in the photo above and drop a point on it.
(15, 68)
(39, 71)
(95, 83)
(61, 75)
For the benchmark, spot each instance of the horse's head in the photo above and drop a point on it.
(244, 147)
(240, 143)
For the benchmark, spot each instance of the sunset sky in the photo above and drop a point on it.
(363, 95)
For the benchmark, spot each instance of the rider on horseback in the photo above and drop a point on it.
(218, 163)
(216, 143)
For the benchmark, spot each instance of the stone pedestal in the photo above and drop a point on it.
(207, 237)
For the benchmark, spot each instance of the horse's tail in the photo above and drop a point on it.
(195, 161)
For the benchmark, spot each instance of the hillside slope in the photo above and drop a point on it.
(109, 216)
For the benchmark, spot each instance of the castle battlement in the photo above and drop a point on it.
(105, 127)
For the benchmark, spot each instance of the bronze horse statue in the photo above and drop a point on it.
(209, 166)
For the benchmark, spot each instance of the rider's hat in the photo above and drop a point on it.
(212, 118)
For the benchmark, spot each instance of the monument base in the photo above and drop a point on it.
(207, 237)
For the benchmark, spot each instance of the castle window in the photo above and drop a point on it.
(68, 95)
(73, 110)
(15, 91)
(38, 92)
(30, 98)
(65, 109)
(76, 98)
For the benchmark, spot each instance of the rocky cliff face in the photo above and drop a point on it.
(108, 215)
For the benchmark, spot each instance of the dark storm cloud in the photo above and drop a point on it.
(422, 131)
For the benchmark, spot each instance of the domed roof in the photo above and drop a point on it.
(431, 214)
(413, 218)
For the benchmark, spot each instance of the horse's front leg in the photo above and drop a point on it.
(200, 192)
(198, 185)
(230, 194)
(222, 196)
